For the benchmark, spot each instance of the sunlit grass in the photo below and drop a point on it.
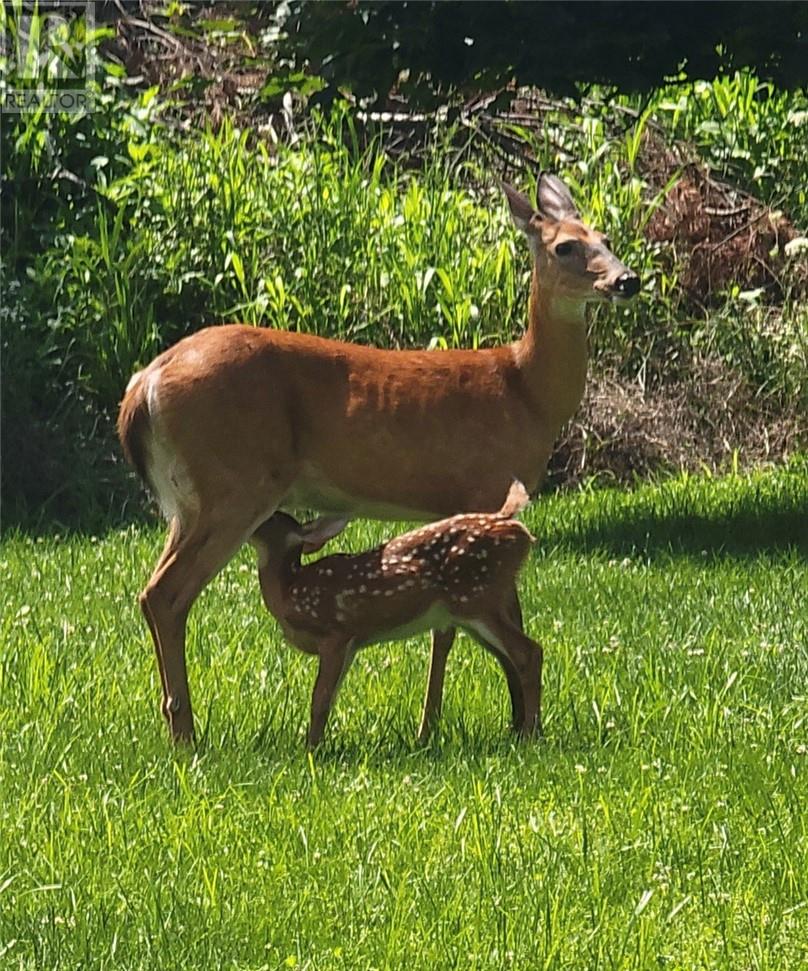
(660, 823)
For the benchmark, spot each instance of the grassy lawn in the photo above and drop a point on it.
(661, 823)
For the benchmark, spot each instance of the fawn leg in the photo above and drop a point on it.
(528, 658)
(442, 641)
(513, 610)
(514, 685)
(335, 659)
(525, 656)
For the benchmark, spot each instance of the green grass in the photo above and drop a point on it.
(660, 824)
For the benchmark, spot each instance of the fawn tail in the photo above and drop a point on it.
(515, 501)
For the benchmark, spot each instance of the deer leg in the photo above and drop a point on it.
(190, 560)
(514, 612)
(442, 641)
(524, 656)
(514, 685)
(513, 609)
(528, 659)
(335, 659)
(171, 542)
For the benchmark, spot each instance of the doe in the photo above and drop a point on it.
(459, 572)
(234, 423)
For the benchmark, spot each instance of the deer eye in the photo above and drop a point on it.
(564, 249)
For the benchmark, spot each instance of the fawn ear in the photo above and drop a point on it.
(555, 201)
(319, 531)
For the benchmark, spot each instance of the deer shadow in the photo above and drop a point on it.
(750, 525)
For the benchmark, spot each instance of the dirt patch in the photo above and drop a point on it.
(721, 236)
(703, 419)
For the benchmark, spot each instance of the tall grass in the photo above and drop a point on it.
(333, 240)
(321, 239)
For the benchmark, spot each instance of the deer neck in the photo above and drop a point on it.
(552, 354)
(276, 578)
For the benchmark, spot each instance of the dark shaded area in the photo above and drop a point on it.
(77, 483)
(482, 47)
(767, 518)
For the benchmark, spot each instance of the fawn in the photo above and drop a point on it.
(459, 572)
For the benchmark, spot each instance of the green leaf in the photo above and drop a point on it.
(137, 151)
(238, 267)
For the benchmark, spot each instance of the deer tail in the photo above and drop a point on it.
(516, 500)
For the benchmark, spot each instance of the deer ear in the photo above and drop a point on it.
(318, 532)
(521, 207)
(555, 201)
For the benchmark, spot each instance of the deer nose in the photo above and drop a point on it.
(627, 285)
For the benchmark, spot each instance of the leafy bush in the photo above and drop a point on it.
(52, 165)
(747, 131)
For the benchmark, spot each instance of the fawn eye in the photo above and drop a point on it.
(564, 249)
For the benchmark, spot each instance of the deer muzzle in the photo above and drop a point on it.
(626, 286)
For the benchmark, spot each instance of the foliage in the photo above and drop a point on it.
(748, 131)
(55, 167)
(661, 822)
(752, 136)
